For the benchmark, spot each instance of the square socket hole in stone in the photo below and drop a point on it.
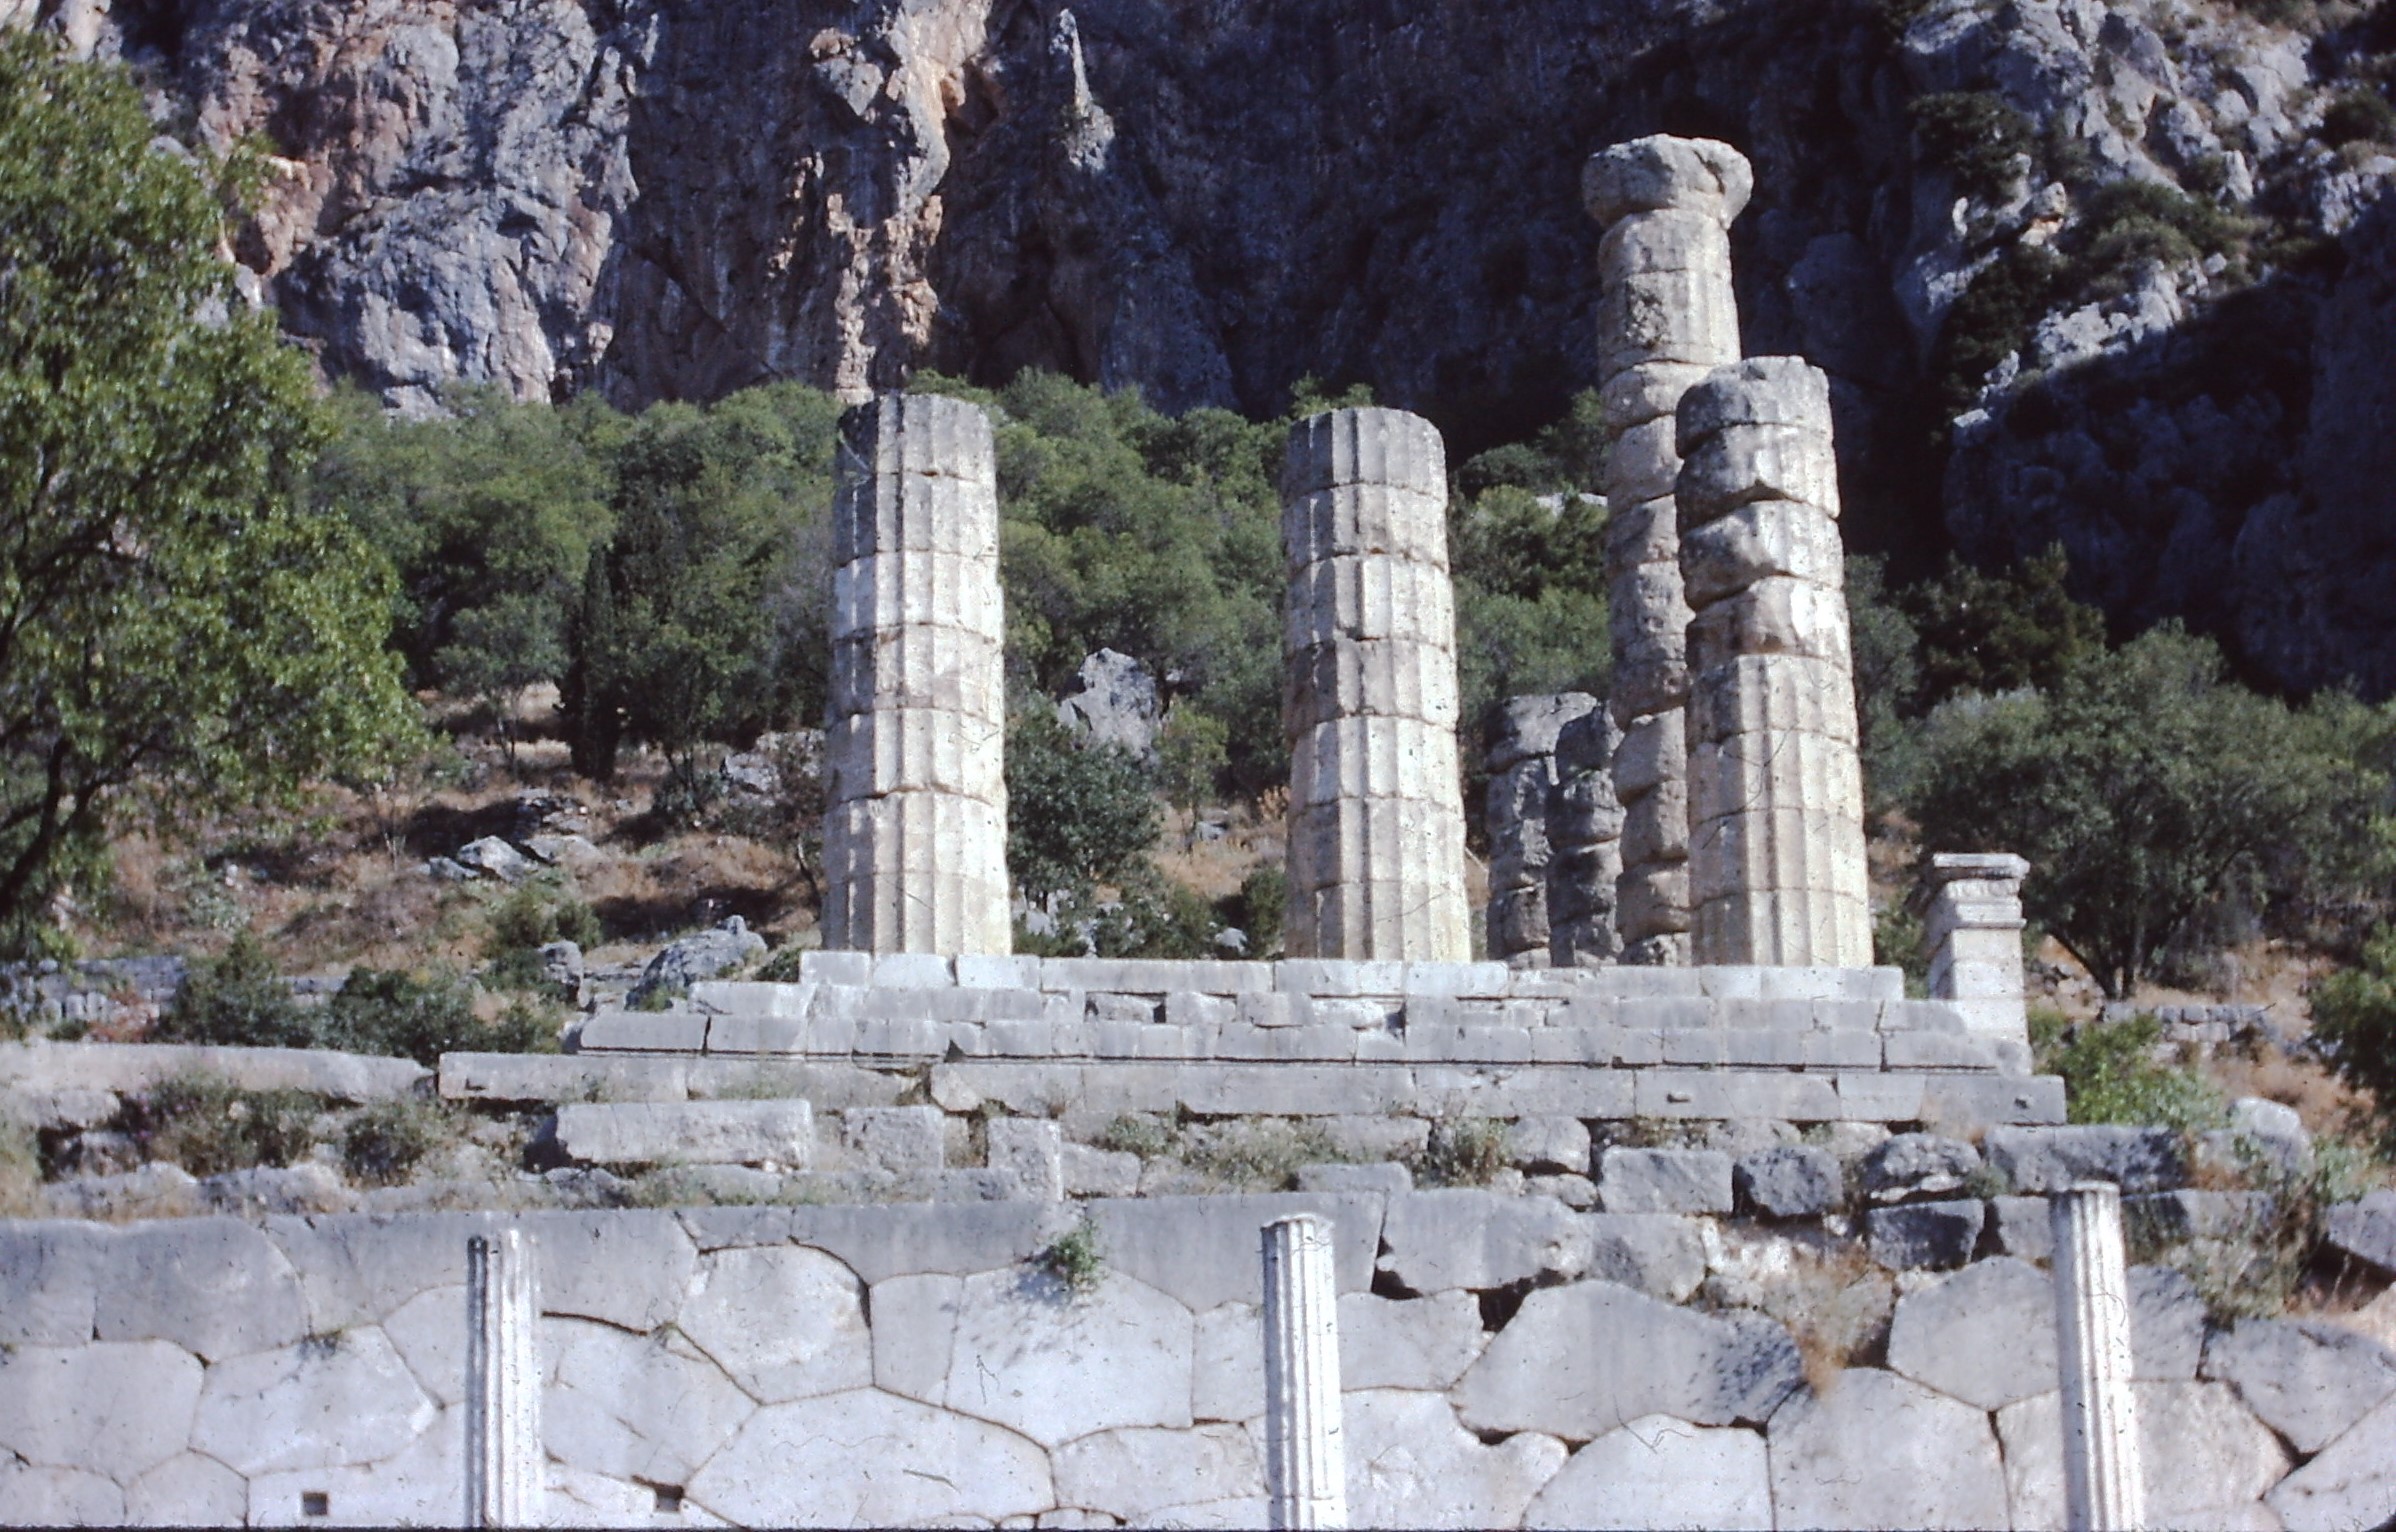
(669, 1499)
(315, 1503)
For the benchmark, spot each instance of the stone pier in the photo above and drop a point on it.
(915, 829)
(1666, 317)
(1522, 777)
(505, 1466)
(2104, 1486)
(1376, 826)
(1306, 1480)
(1776, 843)
(1584, 828)
(1974, 933)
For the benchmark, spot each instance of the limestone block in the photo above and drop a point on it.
(1660, 1472)
(418, 1487)
(914, 748)
(619, 1267)
(187, 1490)
(1207, 1475)
(914, 1334)
(1033, 1151)
(1985, 1335)
(2205, 1460)
(2021, 1227)
(1722, 472)
(1923, 1235)
(1790, 1181)
(1916, 1165)
(895, 1138)
(213, 1286)
(816, 1340)
(1770, 695)
(1418, 1343)
(778, 1133)
(1411, 1465)
(322, 1403)
(2365, 1230)
(1659, 1254)
(907, 460)
(2040, 1159)
(859, 1459)
(1667, 316)
(1341, 448)
(1201, 1250)
(1032, 1356)
(1664, 1181)
(1379, 1180)
(1652, 174)
(1548, 1144)
(116, 1410)
(932, 597)
(428, 1337)
(49, 1275)
(1372, 677)
(1088, 1172)
(1773, 540)
(1462, 1237)
(2351, 1484)
(1655, 825)
(1878, 1451)
(132, 1067)
(58, 1497)
(2307, 1381)
(1541, 1374)
(1227, 1367)
(574, 1497)
(651, 1408)
(1650, 390)
(1641, 468)
(1645, 533)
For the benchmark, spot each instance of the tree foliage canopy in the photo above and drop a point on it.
(170, 618)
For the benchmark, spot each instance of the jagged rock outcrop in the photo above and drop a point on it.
(672, 201)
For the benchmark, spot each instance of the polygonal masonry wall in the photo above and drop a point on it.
(915, 827)
(1376, 815)
(772, 1365)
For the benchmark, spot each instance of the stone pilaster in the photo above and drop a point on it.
(1666, 316)
(506, 1472)
(915, 828)
(1522, 776)
(1974, 932)
(1776, 844)
(1376, 817)
(1306, 1482)
(1584, 827)
(2103, 1484)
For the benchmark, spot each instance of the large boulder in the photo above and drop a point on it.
(2307, 1381)
(700, 956)
(1985, 1335)
(1876, 1450)
(1661, 1472)
(2365, 1230)
(1117, 704)
(2053, 1159)
(2205, 1459)
(1411, 1465)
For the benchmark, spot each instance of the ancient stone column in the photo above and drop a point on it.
(2103, 1486)
(1376, 817)
(915, 829)
(506, 1477)
(1776, 797)
(1666, 316)
(1306, 1473)
(1584, 828)
(1974, 933)
(1522, 774)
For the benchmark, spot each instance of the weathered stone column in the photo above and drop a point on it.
(2103, 1486)
(1666, 316)
(1376, 817)
(1776, 797)
(506, 1474)
(915, 830)
(1522, 774)
(1306, 1461)
(1974, 932)
(1584, 827)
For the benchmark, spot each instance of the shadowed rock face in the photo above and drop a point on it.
(1212, 201)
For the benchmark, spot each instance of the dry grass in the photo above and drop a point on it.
(1834, 1301)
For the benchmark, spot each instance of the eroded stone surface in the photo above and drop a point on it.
(1542, 1373)
(783, 1324)
(1790, 1180)
(1664, 1181)
(1660, 1472)
(1205, 1475)
(323, 1403)
(187, 1490)
(2351, 1485)
(2206, 1460)
(1052, 1364)
(641, 1407)
(862, 1459)
(1462, 1237)
(113, 1410)
(1411, 1465)
(32, 1496)
(1877, 1451)
(213, 1286)
(420, 1487)
(2308, 1382)
(1421, 1343)
(49, 1280)
(1985, 1335)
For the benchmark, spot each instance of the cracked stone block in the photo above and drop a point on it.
(1660, 1472)
(1411, 1465)
(1421, 1343)
(2206, 1461)
(898, 1139)
(863, 1452)
(632, 1406)
(2352, 1483)
(2309, 1382)
(323, 1403)
(817, 1341)
(780, 1133)
(1876, 1450)
(1790, 1181)
(1054, 1365)
(1664, 1181)
(116, 1410)
(1925, 1234)
(2052, 1159)
(1917, 1165)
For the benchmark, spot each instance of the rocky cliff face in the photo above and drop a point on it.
(1214, 198)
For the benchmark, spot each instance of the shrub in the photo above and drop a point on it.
(2354, 1015)
(1261, 1156)
(2359, 116)
(208, 1125)
(1469, 1151)
(422, 1016)
(1075, 818)
(1974, 136)
(1075, 1259)
(1131, 1133)
(533, 915)
(1258, 907)
(237, 1000)
(2110, 1075)
(385, 1143)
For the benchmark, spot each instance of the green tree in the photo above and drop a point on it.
(1992, 632)
(1075, 818)
(2354, 1012)
(2143, 788)
(170, 620)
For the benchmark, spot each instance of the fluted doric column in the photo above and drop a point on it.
(505, 1472)
(915, 828)
(1306, 1482)
(1666, 316)
(2104, 1487)
(1522, 780)
(1376, 817)
(1584, 827)
(1776, 797)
